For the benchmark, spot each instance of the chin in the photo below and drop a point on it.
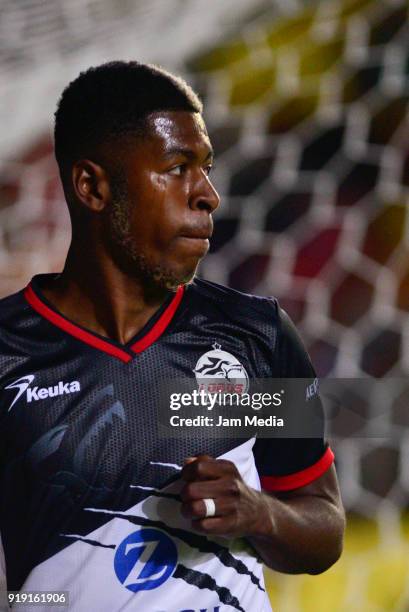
(171, 278)
(182, 278)
(184, 275)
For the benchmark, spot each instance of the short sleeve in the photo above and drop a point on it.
(289, 463)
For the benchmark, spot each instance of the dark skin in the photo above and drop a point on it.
(299, 531)
(125, 259)
(171, 200)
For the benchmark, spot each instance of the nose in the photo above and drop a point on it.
(204, 196)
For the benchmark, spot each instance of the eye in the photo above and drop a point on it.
(208, 168)
(178, 170)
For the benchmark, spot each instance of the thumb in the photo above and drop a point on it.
(189, 460)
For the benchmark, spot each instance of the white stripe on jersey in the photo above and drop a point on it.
(207, 569)
(171, 465)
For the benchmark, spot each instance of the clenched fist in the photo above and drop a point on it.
(238, 509)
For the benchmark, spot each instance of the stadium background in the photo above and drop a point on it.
(307, 107)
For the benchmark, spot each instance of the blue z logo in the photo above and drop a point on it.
(145, 560)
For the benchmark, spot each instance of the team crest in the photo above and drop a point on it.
(220, 372)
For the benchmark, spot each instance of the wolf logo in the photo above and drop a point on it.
(217, 364)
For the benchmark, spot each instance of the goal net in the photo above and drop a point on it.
(309, 116)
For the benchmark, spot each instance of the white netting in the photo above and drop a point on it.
(44, 44)
(310, 115)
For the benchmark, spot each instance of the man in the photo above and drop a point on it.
(93, 501)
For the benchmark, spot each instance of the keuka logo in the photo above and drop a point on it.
(35, 394)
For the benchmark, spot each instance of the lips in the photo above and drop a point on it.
(195, 240)
(198, 236)
(198, 233)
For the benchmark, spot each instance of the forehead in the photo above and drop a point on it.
(172, 129)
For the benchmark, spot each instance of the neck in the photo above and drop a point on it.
(94, 293)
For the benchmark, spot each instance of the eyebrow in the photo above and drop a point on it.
(188, 153)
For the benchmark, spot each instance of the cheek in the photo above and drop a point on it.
(167, 205)
(158, 194)
(169, 193)
(154, 219)
(159, 181)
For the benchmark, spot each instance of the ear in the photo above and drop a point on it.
(91, 184)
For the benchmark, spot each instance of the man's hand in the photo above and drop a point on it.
(298, 531)
(239, 508)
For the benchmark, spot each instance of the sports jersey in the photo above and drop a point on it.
(90, 494)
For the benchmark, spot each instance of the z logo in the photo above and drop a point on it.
(145, 560)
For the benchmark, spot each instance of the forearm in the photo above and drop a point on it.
(298, 535)
(299, 531)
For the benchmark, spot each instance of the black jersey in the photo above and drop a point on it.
(89, 493)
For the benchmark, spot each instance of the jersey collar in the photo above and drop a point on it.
(150, 333)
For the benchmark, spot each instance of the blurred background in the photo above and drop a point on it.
(307, 107)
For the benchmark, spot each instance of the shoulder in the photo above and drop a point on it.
(253, 321)
(257, 317)
(235, 303)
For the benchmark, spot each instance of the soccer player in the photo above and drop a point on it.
(93, 502)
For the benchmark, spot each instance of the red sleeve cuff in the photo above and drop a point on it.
(299, 479)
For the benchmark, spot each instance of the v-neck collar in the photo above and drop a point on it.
(150, 332)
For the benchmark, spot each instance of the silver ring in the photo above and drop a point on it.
(210, 507)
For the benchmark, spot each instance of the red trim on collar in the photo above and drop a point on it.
(299, 479)
(160, 325)
(99, 343)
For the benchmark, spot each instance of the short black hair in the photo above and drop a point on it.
(111, 101)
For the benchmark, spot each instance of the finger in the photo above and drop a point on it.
(205, 457)
(210, 488)
(189, 460)
(218, 525)
(198, 468)
(207, 468)
(197, 509)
